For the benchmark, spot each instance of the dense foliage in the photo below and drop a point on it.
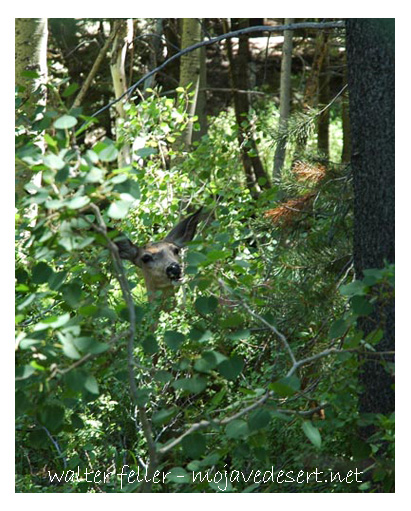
(251, 378)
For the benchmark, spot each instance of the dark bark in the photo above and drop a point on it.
(346, 149)
(253, 168)
(370, 58)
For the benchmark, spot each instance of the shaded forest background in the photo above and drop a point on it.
(279, 350)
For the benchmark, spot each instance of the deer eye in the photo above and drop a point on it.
(147, 258)
(176, 250)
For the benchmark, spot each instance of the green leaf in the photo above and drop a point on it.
(195, 258)
(198, 335)
(71, 89)
(361, 306)
(286, 387)
(312, 433)
(360, 449)
(237, 429)
(217, 255)
(80, 381)
(109, 153)
(90, 345)
(178, 475)
(163, 416)
(68, 346)
(231, 368)
(72, 294)
(354, 288)
(78, 202)
(24, 372)
(144, 152)
(201, 365)
(258, 419)
(373, 275)
(338, 329)
(38, 439)
(232, 320)
(194, 445)
(28, 73)
(88, 310)
(95, 175)
(52, 416)
(150, 345)
(194, 385)
(52, 322)
(208, 361)
(143, 396)
(375, 336)
(54, 162)
(62, 174)
(240, 335)
(128, 186)
(119, 209)
(173, 339)
(206, 304)
(65, 122)
(163, 376)
(91, 385)
(41, 273)
(214, 358)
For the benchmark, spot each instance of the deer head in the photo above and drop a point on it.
(160, 262)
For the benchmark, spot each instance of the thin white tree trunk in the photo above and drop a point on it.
(31, 55)
(190, 69)
(122, 41)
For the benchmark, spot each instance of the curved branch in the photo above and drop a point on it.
(208, 42)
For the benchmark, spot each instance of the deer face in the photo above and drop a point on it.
(161, 262)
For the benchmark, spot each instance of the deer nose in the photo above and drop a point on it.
(173, 271)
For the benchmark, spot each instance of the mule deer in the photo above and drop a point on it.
(160, 262)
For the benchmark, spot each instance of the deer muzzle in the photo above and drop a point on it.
(174, 271)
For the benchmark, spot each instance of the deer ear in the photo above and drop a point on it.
(126, 249)
(184, 231)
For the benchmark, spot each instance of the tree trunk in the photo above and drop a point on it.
(256, 177)
(346, 149)
(31, 56)
(285, 99)
(323, 122)
(201, 110)
(371, 72)
(155, 53)
(310, 98)
(190, 70)
(123, 38)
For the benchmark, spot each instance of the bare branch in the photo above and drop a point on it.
(273, 329)
(125, 289)
(95, 67)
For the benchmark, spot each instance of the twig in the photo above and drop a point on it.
(89, 356)
(267, 324)
(222, 422)
(56, 445)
